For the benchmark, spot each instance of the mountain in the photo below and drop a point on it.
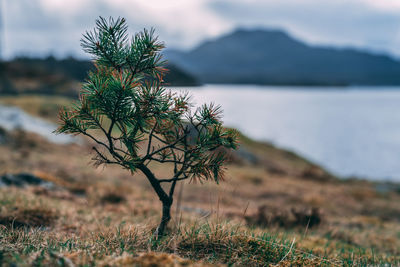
(274, 57)
(62, 77)
(178, 77)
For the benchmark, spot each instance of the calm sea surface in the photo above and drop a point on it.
(351, 131)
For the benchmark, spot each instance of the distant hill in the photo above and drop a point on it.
(273, 57)
(62, 77)
(178, 77)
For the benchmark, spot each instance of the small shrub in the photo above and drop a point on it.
(123, 106)
(307, 217)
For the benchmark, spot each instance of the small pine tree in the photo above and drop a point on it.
(133, 120)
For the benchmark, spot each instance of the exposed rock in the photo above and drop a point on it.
(24, 179)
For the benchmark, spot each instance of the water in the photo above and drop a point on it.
(12, 118)
(351, 131)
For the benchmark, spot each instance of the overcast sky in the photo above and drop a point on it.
(41, 27)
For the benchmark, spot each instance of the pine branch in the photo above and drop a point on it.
(126, 90)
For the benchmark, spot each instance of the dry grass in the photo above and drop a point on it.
(106, 216)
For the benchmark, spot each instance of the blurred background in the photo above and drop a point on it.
(317, 77)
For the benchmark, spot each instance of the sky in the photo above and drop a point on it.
(43, 27)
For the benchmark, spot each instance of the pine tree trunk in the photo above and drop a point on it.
(165, 199)
(166, 217)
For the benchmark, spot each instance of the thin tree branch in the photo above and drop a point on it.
(163, 148)
(172, 179)
(105, 159)
(165, 160)
(172, 189)
(151, 137)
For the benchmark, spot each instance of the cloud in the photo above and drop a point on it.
(57, 25)
(44, 26)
